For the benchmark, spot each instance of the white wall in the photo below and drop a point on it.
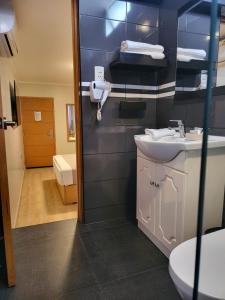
(62, 95)
(14, 143)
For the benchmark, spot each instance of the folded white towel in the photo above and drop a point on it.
(131, 45)
(198, 53)
(153, 54)
(187, 58)
(159, 133)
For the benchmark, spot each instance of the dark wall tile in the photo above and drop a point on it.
(164, 108)
(134, 76)
(90, 59)
(109, 166)
(110, 113)
(142, 13)
(101, 34)
(115, 10)
(106, 144)
(109, 213)
(110, 192)
(192, 40)
(188, 80)
(198, 23)
(182, 22)
(195, 114)
(149, 115)
(179, 112)
(108, 139)
(140, 33)
(217, 131)
(131, 132)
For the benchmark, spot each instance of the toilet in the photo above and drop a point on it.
(212, 268)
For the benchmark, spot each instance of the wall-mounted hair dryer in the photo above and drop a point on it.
(99, 91)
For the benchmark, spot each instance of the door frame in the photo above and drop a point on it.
(5, 208)
(4, 188)
(77, 103)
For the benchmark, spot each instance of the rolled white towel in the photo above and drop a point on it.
(187, 58)
(153, 54)
(157, 134)
(131, 45)
(198, 53)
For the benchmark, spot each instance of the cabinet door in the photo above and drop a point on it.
(169, 206)
(146, 193)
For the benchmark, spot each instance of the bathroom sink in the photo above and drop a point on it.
(167, 148)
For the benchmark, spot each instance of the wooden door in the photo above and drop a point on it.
(169, 206)
(146, 193)
(37, 115)
(5, 207)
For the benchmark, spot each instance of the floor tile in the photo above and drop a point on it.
(118, 252)
(88, 293)
(108, 260)
(154, 284)
(49, 262)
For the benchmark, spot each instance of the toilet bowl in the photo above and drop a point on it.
(212, 267)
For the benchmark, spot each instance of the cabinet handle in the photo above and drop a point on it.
(154, 183)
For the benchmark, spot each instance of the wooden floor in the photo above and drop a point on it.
(40, 200)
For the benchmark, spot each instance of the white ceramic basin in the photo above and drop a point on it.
(167, 148)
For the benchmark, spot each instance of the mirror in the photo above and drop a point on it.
(194, 34)
(70, 120)
(220, 81)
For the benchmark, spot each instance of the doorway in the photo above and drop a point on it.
(44, 87)
(36, 157)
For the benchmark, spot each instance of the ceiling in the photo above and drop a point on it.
(44, 38)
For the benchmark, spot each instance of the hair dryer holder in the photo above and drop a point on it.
(99, 92)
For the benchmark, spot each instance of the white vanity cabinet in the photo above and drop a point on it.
(169, 206)
(167, 197)
(146, 193)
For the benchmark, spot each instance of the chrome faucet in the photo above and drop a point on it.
(180, 127)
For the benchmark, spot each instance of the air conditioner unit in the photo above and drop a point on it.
(8, 46)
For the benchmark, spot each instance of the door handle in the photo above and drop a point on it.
(154, 183)
(4, 124)
(50, 133)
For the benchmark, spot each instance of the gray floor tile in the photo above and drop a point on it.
(118, 252)
(154, 284)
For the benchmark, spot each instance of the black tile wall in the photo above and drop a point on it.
(107, 167)
(115, 10)
(168, 18)
(143, 14)
(197, 23)
(193, 40)
(108, 146)
(142, 33)
(101, 34)
(193, 32)
(191, 111)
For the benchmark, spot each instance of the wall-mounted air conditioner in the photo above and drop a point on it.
(8, 46)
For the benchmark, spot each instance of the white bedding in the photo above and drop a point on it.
(65, 169)
(221, 55)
